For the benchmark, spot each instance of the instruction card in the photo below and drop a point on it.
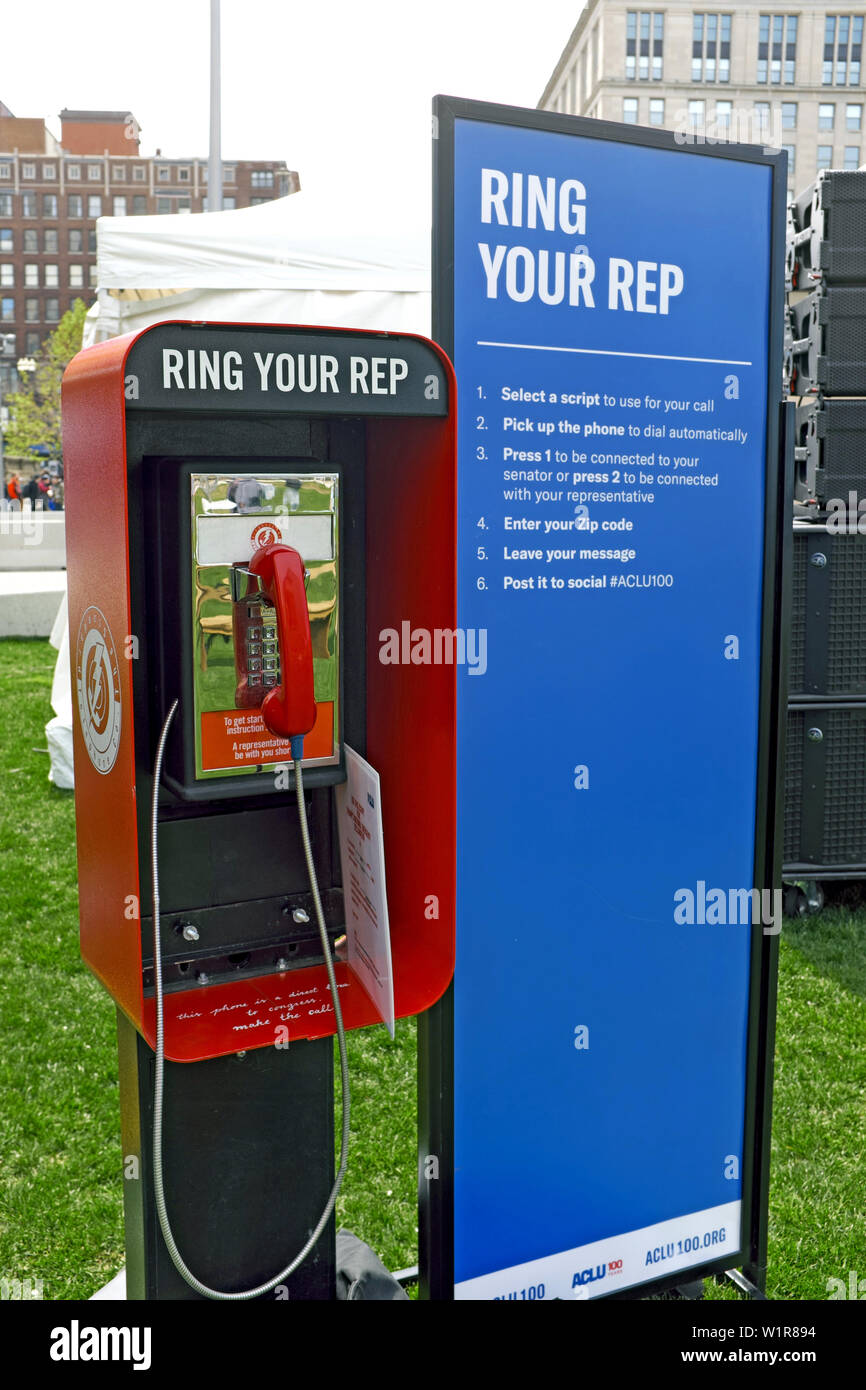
(362, 855)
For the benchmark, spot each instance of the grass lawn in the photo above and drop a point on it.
(60, 1159)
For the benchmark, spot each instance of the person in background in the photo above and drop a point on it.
(13, 489)
(32, 493)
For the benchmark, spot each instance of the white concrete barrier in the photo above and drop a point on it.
(29, 601)
(32, 540)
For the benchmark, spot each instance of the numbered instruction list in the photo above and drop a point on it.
(575, 479)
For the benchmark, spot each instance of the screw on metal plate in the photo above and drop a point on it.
(189, 932)
(819, 560)
(815, 735)
(299, 915)
(202, 978)
(282, 963)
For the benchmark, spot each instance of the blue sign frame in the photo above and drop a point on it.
(596, 1088)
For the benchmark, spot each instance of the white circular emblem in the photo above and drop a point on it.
(97, 678)
(265, 534)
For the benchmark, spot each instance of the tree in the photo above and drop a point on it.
(34, 411)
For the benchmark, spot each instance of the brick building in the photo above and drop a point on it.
(52, 192)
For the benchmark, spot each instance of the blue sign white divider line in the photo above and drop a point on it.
(613, 370)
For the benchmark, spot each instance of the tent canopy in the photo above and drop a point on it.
(279, 262)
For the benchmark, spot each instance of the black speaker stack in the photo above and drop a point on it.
(825, 369)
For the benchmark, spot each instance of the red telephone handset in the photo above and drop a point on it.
(289, 708)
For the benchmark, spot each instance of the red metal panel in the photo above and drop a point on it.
(411, 709)
(411, 575)
(98, 577)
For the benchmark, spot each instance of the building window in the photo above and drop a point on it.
(843, 48)
(49, 172)
(852, 157)
(28, 205)
(825, 156)
(31, 310)
(7, 276)
(724, 110)
(657, 110)
(52, 276)
(91, 276)
(91, 243)
(139, 204)
(94, 172)
(33, 343)
(7, 310)
(94, 205)
(28, 170)
(164, 205)
(75, 205)
(31, 277)
(644, 45)
(73, 172)
(163, 173)
(262, 178)
(51, 244)
(5, 170)
(5, 204)
(228, 173)
(118, 207)
(711, 48)
(696, 114)
(31, 241)
(777, 48)
(49, 204)
(790, 151)
(7, 241)
(853, 116)
(789, 115)
(139, 173)
(52, 310)
(76, 241)
(629, 110)
(183, 173)
(118, 173)
(826, 116)
(76, 276)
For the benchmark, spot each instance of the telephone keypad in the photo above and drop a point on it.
(258, 653)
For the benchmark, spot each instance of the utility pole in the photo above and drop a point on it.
(214, 166)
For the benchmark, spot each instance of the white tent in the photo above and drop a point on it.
(280, 262)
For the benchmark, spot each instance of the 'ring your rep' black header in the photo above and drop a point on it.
(233, 367)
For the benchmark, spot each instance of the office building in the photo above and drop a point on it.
(789, 76)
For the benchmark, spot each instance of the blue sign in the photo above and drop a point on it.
(611, 311)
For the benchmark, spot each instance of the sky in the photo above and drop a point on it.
(342, 91)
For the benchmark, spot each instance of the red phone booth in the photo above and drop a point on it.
(250, 511)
